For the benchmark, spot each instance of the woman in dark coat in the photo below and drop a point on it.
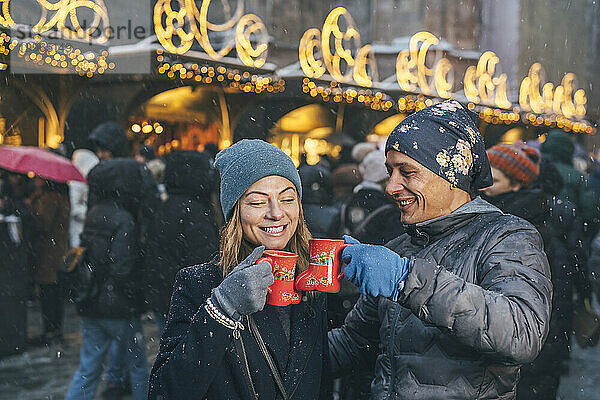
(207, 349)
(50, 205)
(183, 230)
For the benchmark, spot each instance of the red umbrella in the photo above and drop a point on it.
(25, 159)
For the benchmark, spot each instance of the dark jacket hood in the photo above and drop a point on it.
(118, 180)
(189, 172)
(550, 179)
(558, 147)
(528, 203)
(317, 185)
(111, 136)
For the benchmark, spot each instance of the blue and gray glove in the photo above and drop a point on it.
(244, 290)
(375, 270)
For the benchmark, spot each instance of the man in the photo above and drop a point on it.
(109, 141)
(461, 300)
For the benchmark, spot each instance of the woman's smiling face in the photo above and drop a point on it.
(269, 212)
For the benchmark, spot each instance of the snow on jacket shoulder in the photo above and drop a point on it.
(475, 306)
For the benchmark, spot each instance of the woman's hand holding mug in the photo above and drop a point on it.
(244, 290)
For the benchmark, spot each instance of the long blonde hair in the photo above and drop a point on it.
(233, 249)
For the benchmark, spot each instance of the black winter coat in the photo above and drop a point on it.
(366, 199)
(198, 358)
(110, 237)
(182, 231)
(474, 307)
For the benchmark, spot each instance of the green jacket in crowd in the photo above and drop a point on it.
(559, 148)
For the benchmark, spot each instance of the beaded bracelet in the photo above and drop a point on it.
(221, 318)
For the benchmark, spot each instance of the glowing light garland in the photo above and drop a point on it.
(226, 77)
(40, 52)
(337, 51)
(177, 27)
(335, 93)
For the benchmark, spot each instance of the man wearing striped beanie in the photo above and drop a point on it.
(514, 166)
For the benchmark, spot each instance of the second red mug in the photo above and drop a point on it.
(323, 273)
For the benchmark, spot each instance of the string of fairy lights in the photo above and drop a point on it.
(42, 53)
(335, 93)
(208, 74)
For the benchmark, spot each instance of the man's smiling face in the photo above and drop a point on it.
(420, 194)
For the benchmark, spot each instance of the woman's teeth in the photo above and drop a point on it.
(276, 229)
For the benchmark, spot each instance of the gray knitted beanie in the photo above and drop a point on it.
(247, 162)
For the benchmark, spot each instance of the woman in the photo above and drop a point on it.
(201, 354)
(50, 204)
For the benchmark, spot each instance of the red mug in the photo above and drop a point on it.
(323, 273)
(281, 292)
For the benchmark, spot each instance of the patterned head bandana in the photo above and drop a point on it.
(444, 139)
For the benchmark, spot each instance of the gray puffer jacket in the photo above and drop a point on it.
(475, 306)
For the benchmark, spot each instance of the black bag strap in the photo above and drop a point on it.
(270, 362)
(241, 350)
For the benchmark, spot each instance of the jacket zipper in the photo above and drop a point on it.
(392, 361)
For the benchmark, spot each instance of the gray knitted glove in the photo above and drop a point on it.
(244, 290)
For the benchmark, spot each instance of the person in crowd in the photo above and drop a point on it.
(211, 150)
(16, 221)
(183, 231)
(370, 216)
(84, 160)
(320, 214)
(111, 313)
(208, 349)
(517, 190)
(49, 203)
(559, 148)
(110, 141)
(459, 302)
